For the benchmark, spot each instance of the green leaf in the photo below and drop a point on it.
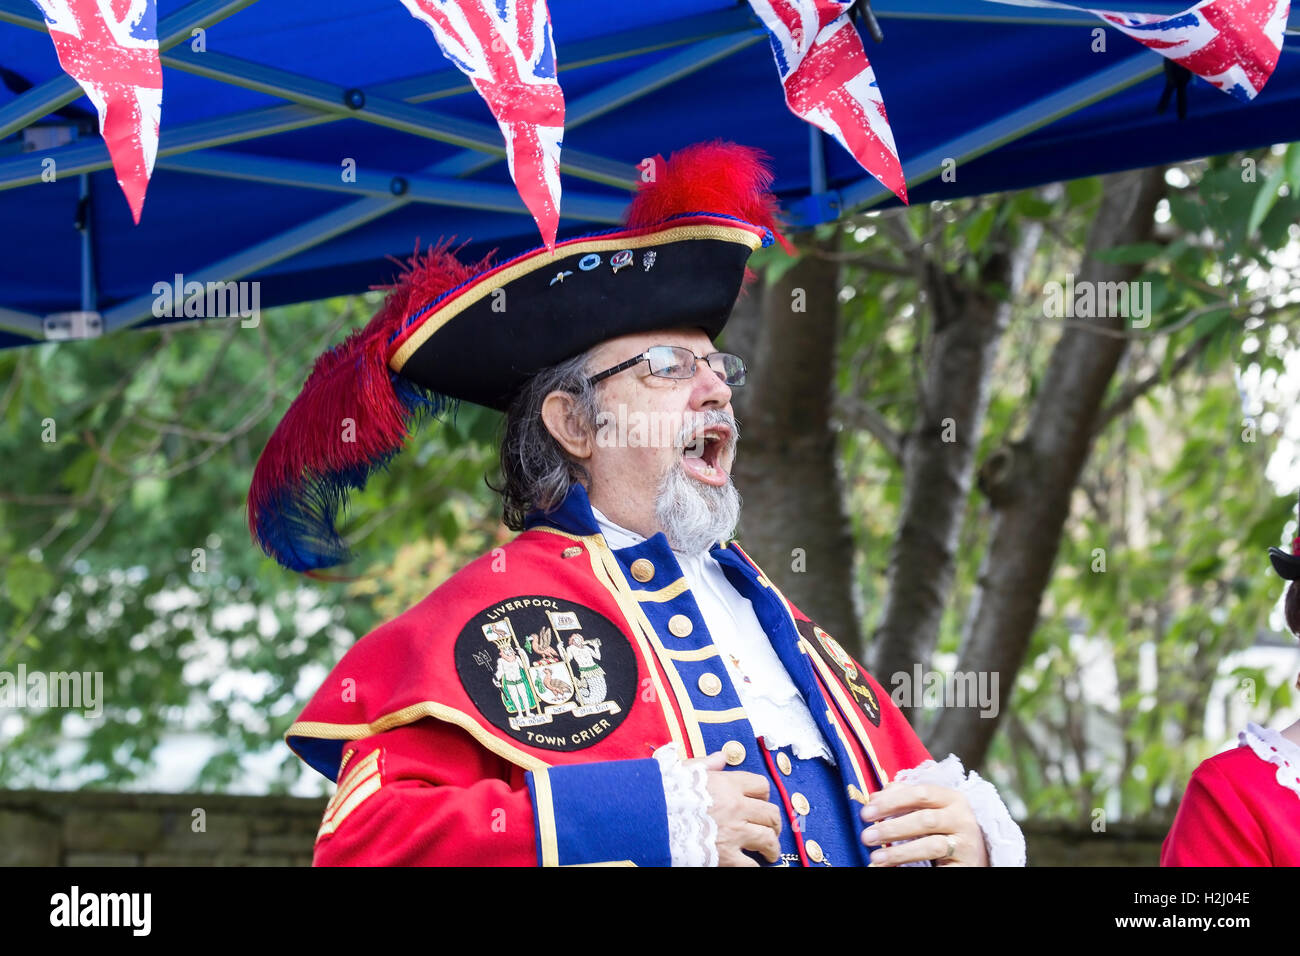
(1204, 569)
(449, 526)
(148, 493)
(1292, 160)
(978, 230)
(1031, 207)
(1264, 532)
(1275, 230)
(1187, 213)
(1212, 321)
(1133, 254)
(1081, 192)
(27, 581)
(1264, 199)
(76, 477)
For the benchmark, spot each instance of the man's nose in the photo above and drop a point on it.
(710, 391)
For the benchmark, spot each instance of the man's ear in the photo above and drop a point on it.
(559, 418)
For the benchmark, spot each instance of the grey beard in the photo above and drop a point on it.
(694, 515)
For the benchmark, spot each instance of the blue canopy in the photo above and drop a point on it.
(257, 126)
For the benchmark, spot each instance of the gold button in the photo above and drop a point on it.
(800, 804)
(856, 794)
(572, 552)
(680, 625)
(783, 762)
(711, 684)
(642, 570)
(814, 851)
(734, 751)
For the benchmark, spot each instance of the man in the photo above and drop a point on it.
(702, 719)
(513, 681)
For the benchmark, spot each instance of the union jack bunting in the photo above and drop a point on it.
(829, 82)
(1233, 44)
(110, 47)
(505, 48)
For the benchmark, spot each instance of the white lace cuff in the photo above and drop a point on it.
(1002, 837)
(1272, 748)
(692, 831)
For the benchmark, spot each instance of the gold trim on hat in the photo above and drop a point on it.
(542, 259)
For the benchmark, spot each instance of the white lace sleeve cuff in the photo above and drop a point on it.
(1002, 837)
(692, 832)
(1272, 748)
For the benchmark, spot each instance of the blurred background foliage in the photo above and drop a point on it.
(124, 545)
(1162, 576)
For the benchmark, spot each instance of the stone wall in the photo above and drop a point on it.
(105, 828)
(1056, 843)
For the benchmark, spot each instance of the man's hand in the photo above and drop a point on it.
(745, 818)
(927, 815)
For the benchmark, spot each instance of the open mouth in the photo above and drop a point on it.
(702, 455)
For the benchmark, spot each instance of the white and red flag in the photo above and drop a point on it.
(829, 82)
(1233, 44)
(505, 48)
(110, 47)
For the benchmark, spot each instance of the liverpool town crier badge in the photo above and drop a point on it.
(550, 673)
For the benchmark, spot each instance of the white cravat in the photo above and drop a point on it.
(776, 709)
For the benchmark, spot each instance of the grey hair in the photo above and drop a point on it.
(535, 471)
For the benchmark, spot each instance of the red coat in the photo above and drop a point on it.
(510, 716)
(1235, 813)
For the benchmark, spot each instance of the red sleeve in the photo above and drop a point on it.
(896, 737)
(1215, 826)
(427, 795)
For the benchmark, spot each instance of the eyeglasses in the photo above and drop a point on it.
(673, 361)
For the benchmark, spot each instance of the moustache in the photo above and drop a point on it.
(691, 441)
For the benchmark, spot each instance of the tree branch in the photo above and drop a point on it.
(897, 222)
(857, 414)
(1135, 390)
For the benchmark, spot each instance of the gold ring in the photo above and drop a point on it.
(952, 846)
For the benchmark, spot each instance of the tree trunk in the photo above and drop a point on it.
(787, 470)
(939, 452)
(1030, 482)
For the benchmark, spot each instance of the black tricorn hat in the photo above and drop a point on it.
(1287, 565)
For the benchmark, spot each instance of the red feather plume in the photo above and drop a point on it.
(716, 176)
(352, 415)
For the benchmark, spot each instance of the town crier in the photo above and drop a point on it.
(620, 684)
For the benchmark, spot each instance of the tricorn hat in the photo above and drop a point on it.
(450, 331)
(1287, 565)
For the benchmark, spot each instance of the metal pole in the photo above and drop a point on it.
(89, 295)
(816, 161)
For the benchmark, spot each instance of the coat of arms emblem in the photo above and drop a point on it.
(547, 663)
